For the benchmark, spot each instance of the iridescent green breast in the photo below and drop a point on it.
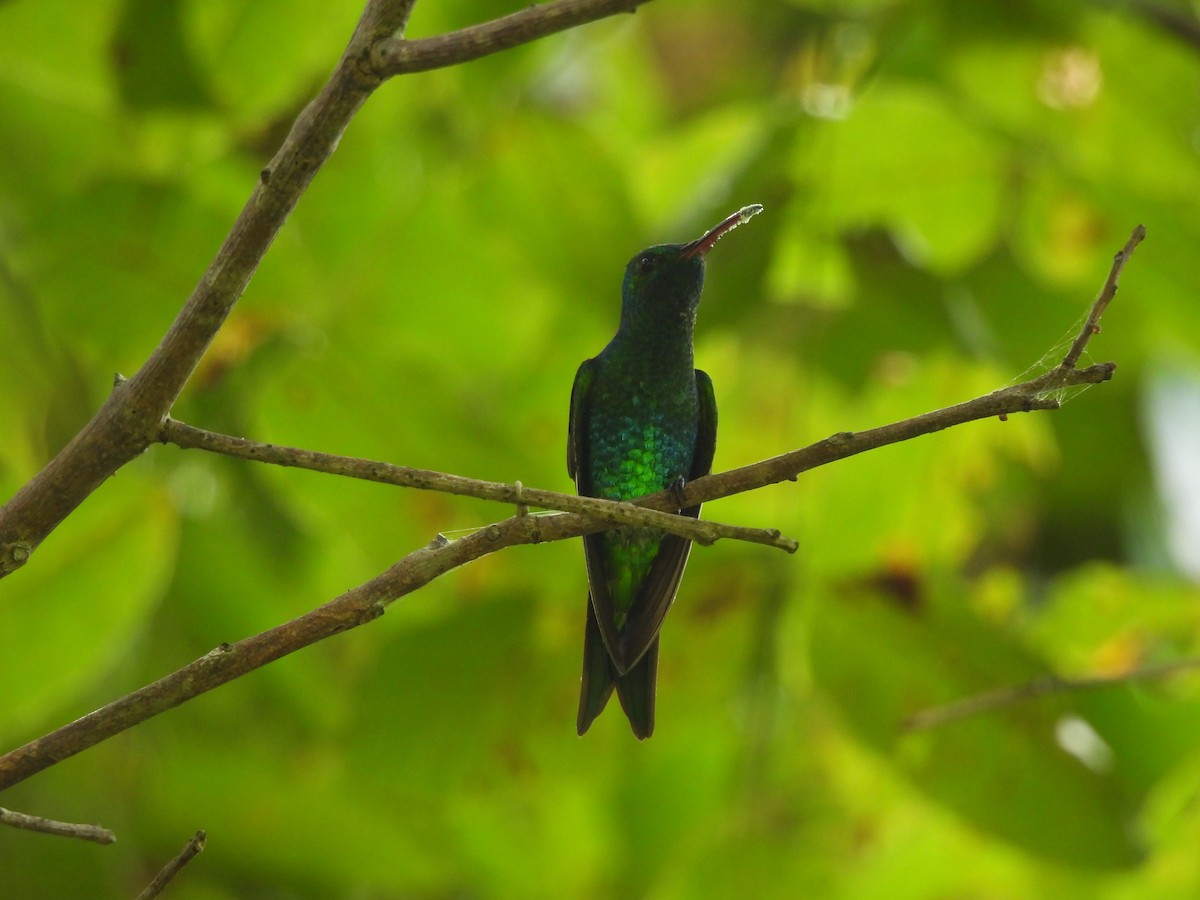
(637, 445)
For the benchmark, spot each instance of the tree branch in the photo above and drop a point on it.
(1092, 325)
(398, 56)
(1025, 397)
(52, 826)
(607, 511)
(937, 716)
(190, 850)
(368, 601)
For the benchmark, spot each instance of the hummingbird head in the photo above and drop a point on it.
(663, 283)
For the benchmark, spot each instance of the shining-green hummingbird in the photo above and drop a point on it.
(643, 419)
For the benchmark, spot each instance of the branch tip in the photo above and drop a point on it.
(1092, 326)
(168, 872)
(26, 822)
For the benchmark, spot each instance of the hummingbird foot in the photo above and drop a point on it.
(676, 489)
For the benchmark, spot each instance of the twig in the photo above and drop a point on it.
(1037, 687)
(51, 826)
(171, 869)
(368, 601)
(611, 512)
(1092, 325)
(398, 56)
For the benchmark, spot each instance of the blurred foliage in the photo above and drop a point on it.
(945, 184)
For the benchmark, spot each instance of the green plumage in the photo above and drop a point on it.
(643, 419)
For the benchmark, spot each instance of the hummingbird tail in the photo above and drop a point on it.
(635, 689)
(598, 674)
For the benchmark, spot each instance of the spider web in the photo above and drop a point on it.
(1051, 359)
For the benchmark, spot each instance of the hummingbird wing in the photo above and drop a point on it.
(657, 592)
(636, 689)
(706, 431)
(577, 422)
(578, 467)
(599, 676)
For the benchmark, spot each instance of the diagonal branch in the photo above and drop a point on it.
(368, 601)
(129, 420)
(608, 511)
(1107, 293)
(190, 850)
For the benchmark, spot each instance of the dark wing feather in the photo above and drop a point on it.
(598, 674)
(654, 599)
(601, 600)
(636, 693)
(578, 468)
(577, 424)
(706, 432)
(658, 591)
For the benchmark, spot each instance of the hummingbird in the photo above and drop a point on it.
(643, 419)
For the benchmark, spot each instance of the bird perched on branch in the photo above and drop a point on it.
(643, 419)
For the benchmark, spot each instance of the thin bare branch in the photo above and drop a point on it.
(608, 511)
(51, 826)
(1092, 325)
(190, 850)
(399, 56)
(1038, 687)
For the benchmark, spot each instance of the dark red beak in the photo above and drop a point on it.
(702, 245)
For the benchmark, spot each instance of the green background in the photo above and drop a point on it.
(945, 184)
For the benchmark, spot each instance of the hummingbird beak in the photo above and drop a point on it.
(702, 245)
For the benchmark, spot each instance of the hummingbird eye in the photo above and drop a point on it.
(646, 264)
